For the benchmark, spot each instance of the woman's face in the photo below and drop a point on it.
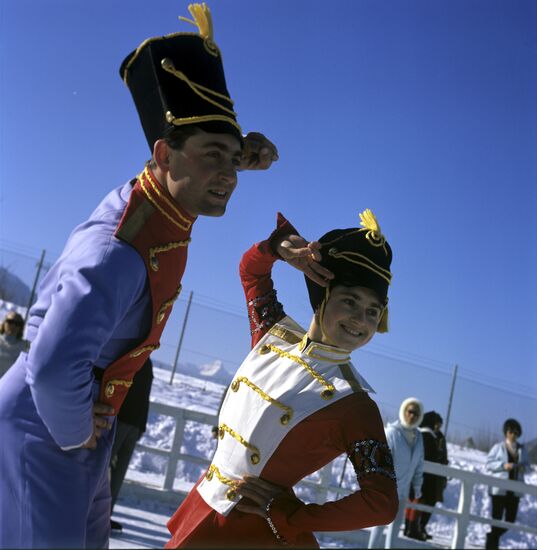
(412, 413)
(12, 324)
(351, 317)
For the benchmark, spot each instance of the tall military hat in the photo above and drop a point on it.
(356, 257)
(178, 79)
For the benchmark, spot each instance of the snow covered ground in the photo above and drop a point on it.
(144, 518)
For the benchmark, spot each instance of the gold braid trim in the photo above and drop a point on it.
(168, 202)
(365, 262)
(168, 66)
(158, 207)
(138, 352)
(255, 457)
(329, 390)
(200, 119)
(214, 471)
(284, 419)
(162, 311)
(153, 251)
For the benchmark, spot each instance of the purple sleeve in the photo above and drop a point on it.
(92, 289)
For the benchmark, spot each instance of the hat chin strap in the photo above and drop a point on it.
(321, 315)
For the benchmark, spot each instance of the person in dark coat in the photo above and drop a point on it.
(131, 424)
(434, 444)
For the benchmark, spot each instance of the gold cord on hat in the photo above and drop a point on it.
(203, 20)
(167, 64)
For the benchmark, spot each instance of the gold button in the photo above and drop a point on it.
(109, 390)
(254, 459)
(209, 475)
(235, 385)
(264, 350)
(327, 394)
(221, 433)
(154, 263)
(231, 494)
(285, 419)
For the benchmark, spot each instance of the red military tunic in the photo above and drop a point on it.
(349, 425)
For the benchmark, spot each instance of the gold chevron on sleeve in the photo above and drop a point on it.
(255, 457)
(285, 418)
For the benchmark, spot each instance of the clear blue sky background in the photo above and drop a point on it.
(423, 111)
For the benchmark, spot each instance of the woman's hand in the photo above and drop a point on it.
(305, 257)
(260, 492)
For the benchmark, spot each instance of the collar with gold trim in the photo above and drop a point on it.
(323, 352)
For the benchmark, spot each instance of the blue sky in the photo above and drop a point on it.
(423, 111)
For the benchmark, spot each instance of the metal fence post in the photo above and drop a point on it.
(451, 392)
(173, 459)
(181, 337)
(461, 526)
(34, 286)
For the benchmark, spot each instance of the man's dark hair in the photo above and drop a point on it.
(512, 425)
(175, 137)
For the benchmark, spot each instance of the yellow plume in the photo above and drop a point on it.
(368, 221)
(202, 19)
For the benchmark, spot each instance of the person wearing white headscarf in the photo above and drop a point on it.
(406, 444)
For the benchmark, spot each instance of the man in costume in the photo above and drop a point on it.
(296, 402)
(102, 307)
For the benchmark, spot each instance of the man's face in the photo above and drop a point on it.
(203, 174)
(512, 435)
(351, 316)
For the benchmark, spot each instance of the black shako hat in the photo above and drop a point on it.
(178, 79)
(356, 257)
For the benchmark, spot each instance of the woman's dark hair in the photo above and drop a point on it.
(512, 425)
(430, 419)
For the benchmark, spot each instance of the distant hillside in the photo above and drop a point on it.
(12, 289)
(214, 372)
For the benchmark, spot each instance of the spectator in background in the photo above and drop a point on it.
(131, 424)
(406, 443)
(507, 460)
(11, 341)
(432, 489)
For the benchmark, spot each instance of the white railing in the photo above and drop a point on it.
(462, 515)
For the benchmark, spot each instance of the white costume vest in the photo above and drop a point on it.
(282, 381)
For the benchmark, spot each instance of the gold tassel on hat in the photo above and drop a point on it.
(374, 235)
(202, 19)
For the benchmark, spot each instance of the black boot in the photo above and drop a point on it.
(492, 541)
(115, 525)
(414, 531)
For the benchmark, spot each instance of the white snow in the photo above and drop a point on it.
(144, 518)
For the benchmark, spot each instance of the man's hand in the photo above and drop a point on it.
(99, 424)
(305, 257)
(258, 153)
(260, 492)
(509, 466)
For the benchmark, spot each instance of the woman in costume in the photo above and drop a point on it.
(296, 402)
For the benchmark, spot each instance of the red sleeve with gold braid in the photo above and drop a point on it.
(359, 430)
(264, 310)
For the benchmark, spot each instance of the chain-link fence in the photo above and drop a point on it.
(216, 339)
